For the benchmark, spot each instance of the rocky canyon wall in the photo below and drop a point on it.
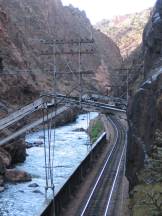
(145, 107)
(23, 24)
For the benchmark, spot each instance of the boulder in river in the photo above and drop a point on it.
(2, 189)
(34, 185)
(17, 150)
(13, 175)
(79, 130)
(5, 157)
(1, 180)
(34, 144)
(37, 191)
(2, 167)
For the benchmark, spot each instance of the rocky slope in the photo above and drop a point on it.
(25, 72)
(144, 150)
(145, 119)
(23, 24)
(126, 31)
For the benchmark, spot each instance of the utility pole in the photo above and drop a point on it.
(127, 79)
(78, 50)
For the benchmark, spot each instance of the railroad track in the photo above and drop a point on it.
(102, 195)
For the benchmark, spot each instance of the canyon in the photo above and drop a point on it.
(132, 42)
(26, 74)
(23, 24)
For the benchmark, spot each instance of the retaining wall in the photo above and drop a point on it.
(63, 195)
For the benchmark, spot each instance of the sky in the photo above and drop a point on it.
(97, 10)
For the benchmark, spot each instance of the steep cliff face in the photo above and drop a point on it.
(23, 24)
(152, 41)
(145, 107)
(126, 31)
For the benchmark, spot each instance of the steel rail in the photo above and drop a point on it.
(102, 171)
(91, 103)
(115, 180)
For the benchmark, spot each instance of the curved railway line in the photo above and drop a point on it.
(101, 199)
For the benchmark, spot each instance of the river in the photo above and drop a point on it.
(70, 149)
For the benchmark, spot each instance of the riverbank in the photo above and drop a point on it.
(70, 149)
(15, 151)
(96, 128)
(146, 197)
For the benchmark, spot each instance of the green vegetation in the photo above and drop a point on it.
(147, 200)
(96, 130)
(147, 196)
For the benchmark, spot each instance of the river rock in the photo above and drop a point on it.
(17, 150)
(1, 180)
(2, 167)
(33, 185)
(12, 175)
(38, 143)
(79, 130)
(2, 189)
(34, 144)
(37, 191)
(41, 137)
(29, 145)
(5, 157)
(21, 191)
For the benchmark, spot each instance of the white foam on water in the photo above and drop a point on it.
(70, 150)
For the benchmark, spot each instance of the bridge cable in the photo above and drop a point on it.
(50, 165)
(88, 143)
(45, 153)
(49, 152)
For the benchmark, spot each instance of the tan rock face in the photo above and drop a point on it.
(17, 150)
(126, 31)
(12, 153)
(12, 175)
(5, 157)
(23, 23)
